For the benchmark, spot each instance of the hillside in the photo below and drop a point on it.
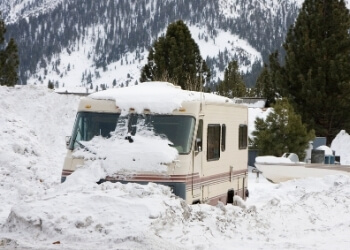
(95, 44)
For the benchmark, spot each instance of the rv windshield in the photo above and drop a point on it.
(178, 129)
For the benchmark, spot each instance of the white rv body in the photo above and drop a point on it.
(213, 169)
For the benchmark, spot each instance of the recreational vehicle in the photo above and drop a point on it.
(209, 133)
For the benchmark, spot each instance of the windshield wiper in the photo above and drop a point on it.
(81, 145)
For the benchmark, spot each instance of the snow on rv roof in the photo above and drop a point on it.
(159, 97)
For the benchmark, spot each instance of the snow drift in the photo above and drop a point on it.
(38, 212)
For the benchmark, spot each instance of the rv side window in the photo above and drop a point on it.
(213, 142)
(223, 137)
(199, 137)
(243, 140)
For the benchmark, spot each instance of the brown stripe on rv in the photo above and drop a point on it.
(192, 181)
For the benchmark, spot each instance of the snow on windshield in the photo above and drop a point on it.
(116, 155)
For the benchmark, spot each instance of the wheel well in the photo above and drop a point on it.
(230, 194)
(196, 202)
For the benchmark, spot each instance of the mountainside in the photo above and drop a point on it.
(96, 44)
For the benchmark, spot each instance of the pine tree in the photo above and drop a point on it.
(233, 84)
(9, 61)
(269, 82)
(263, 82)
(2, 30)
(317, 66)
(176, 58)
(281, 132)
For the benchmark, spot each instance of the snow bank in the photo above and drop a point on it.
(37, 212)
(33, 124)
(341, 146)
(272, 159)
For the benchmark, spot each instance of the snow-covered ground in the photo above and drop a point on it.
(38, 212)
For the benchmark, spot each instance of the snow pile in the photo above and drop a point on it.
(341, 146)
(33, 123)
(111, 214)
(305, 213)
(291, 215)
(272, 159)
(38, 212)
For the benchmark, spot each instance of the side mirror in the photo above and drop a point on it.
(198, 146)
(68, 140)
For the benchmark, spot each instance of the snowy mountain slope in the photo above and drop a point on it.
(78, 66)
(112, 39)
(16, 9)
(13, 10)
(233, 8)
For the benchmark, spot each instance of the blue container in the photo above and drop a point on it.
(326, 159)
(329, 159)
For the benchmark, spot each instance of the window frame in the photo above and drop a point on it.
(223, 137)
(243, 136)
(199, 136)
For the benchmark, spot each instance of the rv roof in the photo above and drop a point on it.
(160, 97)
